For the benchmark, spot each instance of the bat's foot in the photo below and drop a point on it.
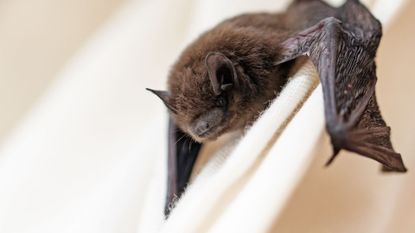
(371, 143)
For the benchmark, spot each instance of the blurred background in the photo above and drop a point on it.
(39, 39)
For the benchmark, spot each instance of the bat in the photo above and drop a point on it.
(227, 77)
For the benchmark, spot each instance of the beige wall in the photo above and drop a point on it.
(396, 60)
(37, 38)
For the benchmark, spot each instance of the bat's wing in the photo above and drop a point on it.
(182, 154)
(343, 49)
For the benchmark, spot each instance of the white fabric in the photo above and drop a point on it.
(219, 186)
(90, 157)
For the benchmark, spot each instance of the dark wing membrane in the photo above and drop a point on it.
(182, 154)
(343, 49)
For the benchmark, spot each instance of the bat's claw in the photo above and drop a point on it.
(336, 151)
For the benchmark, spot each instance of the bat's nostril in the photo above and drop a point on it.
(202, 127)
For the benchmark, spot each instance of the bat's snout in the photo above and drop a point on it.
(201, 128)
(206, 125)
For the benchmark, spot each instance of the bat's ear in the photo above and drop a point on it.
(222, 73)
(165, 97)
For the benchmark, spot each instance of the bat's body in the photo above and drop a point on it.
(224, 79)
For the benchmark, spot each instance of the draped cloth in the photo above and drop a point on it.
(91, 154)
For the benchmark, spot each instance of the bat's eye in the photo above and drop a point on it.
(221, 101)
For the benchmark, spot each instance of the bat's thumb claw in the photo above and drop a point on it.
(335, 153)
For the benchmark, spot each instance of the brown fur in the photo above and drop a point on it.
(247, 47)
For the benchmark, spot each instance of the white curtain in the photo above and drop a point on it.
(90, 156)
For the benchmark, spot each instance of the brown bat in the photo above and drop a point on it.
(224, 79)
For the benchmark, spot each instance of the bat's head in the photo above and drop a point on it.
(206, 97)
(222, 82)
